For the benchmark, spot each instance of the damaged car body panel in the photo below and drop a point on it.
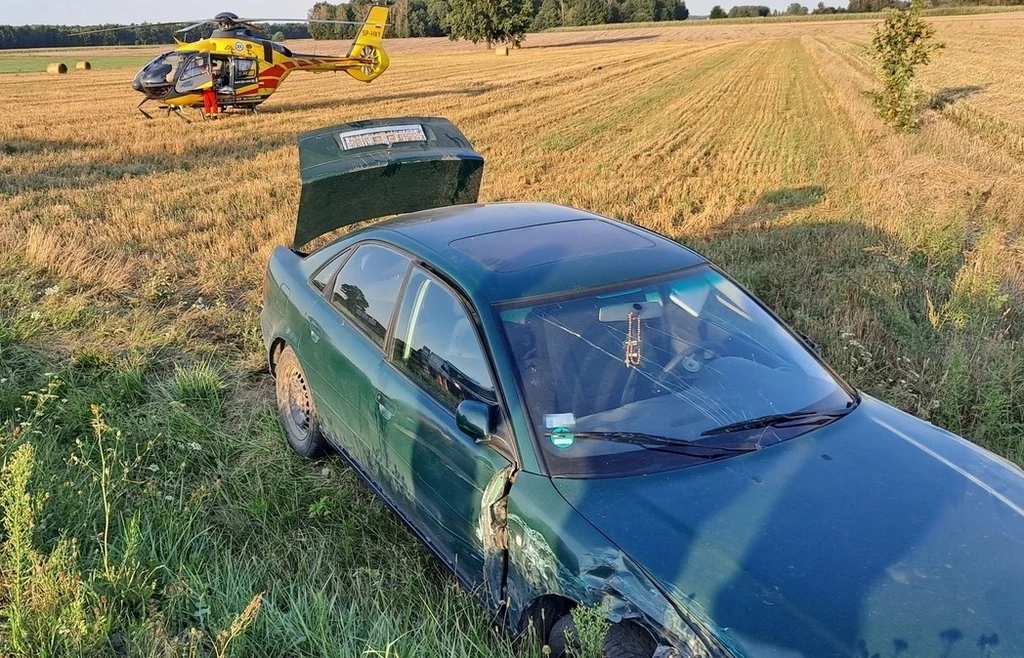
(555, 551)
(570, 410)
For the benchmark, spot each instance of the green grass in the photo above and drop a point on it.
(22, 63)
(143, 516)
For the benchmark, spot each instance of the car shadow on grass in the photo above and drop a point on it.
(774, 204)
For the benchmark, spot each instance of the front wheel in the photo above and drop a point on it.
(295, 407)
(623, 640)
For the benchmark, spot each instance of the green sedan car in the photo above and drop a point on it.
(571, 410)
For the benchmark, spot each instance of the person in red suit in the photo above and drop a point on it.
(211, 108)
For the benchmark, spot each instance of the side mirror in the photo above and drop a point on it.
(475, 419)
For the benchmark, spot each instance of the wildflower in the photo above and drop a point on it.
(35, 315)
(195, 446)
(52, 290)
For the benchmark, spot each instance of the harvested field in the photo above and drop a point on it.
(132, 255)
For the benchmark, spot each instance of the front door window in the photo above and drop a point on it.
(437, 345)
(195, 72)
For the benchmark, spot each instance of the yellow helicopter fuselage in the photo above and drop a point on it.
(244, 70)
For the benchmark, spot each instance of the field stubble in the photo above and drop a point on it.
(132, 254)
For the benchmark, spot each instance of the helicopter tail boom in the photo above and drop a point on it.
(367, 46)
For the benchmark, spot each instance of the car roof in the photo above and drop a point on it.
(509, 251)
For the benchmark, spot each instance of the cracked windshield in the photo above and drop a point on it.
(691, 366)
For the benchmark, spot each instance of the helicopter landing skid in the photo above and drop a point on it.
(178, 111)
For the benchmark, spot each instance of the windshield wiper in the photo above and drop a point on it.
(668, 444)
(794, 419)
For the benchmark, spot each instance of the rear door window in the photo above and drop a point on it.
(367, 288)
(436, 344)
(324, 274)
(244, 72)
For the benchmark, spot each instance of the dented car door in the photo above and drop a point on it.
(448, 485)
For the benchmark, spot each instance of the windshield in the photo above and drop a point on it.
(682, 358)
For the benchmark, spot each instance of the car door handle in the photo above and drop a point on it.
(385, 407)
(315, 330)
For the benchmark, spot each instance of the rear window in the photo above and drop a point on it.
(324, 274)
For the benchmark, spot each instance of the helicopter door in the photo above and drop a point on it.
(195, 72)
(244, 72)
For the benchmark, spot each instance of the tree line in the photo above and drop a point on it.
(458, 18)
(854, 7)
(62, 36)
(796, 9)
(479, 20)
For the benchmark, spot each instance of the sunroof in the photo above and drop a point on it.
(529, 246)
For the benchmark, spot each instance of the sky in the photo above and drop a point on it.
(93, 12)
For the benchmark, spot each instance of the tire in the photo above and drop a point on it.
(624, 640)
(295, 407)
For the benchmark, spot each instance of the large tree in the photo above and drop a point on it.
(639, 11)
(749, 11)
(322, 11)
(586, 12)
(672, 10)
(548, 15)
(493, 21)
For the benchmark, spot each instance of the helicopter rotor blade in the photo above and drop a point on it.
(129, 27)
(299, 20)
(247, 22)
(194, 26)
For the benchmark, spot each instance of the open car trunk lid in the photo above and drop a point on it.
(368, 169)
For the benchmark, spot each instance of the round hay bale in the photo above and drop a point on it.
(83, 66)
(57, 68)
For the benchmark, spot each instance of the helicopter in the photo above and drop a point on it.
(244, 68)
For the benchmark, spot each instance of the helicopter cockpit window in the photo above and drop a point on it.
(162, 69)
(195, 67)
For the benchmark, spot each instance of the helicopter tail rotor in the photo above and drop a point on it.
(367, 46)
